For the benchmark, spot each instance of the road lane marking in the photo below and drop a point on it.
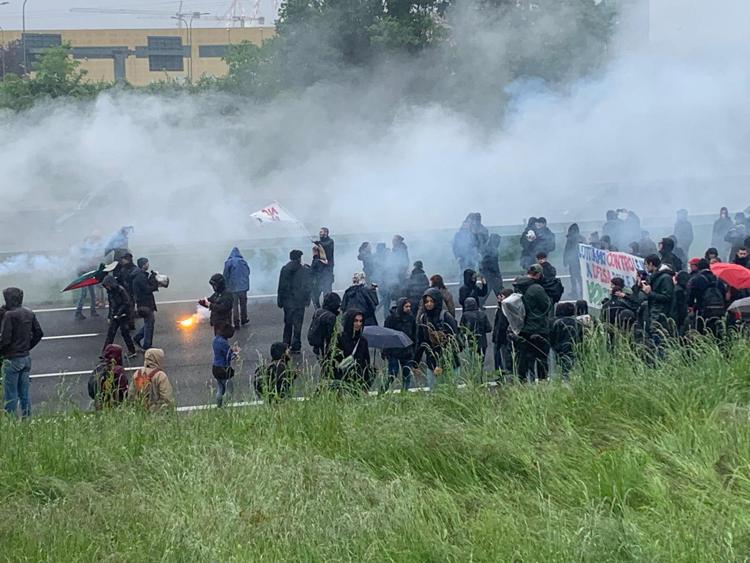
(249, 298)
(64, 373)
(66, 336)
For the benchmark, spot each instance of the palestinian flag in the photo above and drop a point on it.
(93, 277)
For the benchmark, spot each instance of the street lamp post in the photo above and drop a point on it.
(2, 49)
(189, 23)
(23, 37)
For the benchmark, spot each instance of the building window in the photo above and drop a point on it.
(158, 63)
(164, 43)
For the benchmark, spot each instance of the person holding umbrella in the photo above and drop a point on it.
(400, 359)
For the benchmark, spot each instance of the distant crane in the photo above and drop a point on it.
(234, 17)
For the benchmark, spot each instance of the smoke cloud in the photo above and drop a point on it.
(662, 126)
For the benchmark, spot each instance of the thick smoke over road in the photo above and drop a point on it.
(659, 128)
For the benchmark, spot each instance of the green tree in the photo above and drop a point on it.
(56, 74)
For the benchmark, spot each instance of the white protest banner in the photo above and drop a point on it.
(598, 267)
(274, 213)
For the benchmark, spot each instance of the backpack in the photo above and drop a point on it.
(712, 304)
(555, 290)
(315, 333)
(142, 382)
(515, 311)
(100, 381)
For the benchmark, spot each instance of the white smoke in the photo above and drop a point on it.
(661, 128)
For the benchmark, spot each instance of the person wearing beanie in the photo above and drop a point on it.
(144, 285)
(293, 296)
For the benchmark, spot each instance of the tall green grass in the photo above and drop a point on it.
(626, 461)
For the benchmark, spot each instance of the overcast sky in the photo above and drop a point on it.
(56, 14)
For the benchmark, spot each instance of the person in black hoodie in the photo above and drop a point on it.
(274, 380)
(489, 266)
(551, 283)
(19, 333)
(566, 334)
(572, 261)
(667, 254)
(144, 286)
(474, 286)
(527, 244)
(220, 303)
(680, 310)
(123, 273)
(437, 333)
(720, 229)
(323, 325)
(365, 256)
(476, 325)
(351, 342)
(503, 352)
(707, 299)
(416, 285)
(363, 298)
(401, 360)
(119, 313)
(293, 296)
(326, 277)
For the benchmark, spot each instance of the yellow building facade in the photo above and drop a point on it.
(142, 56)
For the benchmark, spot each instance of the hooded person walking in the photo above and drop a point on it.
(720, 229)
(475, 325)
(220, 303)
(352, 357)
(293, 296)
(237, 276)
(323, 325)
(401, 360)
(20, 332)
(533, 340)
(437, 333)
(119, 313)
(473, 286)
(361, 297)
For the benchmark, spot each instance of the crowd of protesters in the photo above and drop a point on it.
(532, 331)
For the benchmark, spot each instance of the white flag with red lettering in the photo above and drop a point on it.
(274, 213)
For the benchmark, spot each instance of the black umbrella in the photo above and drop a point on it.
(381, 337)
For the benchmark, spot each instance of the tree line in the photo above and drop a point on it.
(462, 50)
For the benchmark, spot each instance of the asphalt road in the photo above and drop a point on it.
(63, 361)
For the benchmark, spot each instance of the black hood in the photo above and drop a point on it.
(218, 282)
(437, 297)
(347, 327)
(13, 297)
(468, 277)
(109, 281)
(574, 230)
(471, 304)
(332, 303)
(400, 304)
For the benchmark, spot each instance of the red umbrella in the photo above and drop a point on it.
(732, 274)
(90, 278)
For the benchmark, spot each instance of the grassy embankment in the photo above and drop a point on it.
(624, 463)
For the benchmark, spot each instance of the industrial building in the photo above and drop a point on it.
(142, 56)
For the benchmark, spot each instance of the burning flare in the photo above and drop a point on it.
(188, 322)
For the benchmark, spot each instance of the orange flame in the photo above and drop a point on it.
(188, 322)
